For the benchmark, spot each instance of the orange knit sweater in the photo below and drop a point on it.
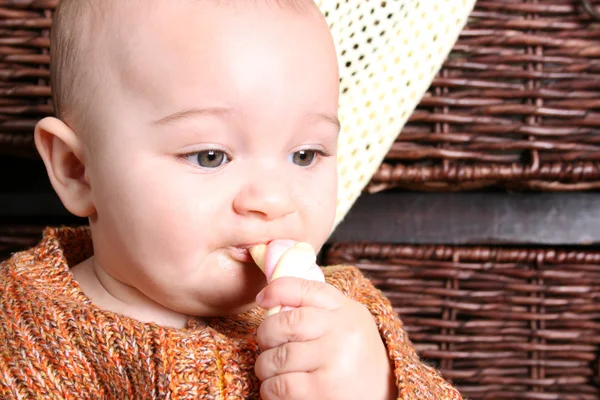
(55, 344)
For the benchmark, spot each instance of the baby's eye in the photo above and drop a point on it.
(304, 158)
(209, 158)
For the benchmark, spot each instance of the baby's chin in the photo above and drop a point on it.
(215, 310)
(217, 286)
(229, 311)
(209, 305)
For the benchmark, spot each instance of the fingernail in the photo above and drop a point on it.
(260, 297)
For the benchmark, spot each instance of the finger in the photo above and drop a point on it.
(314, 273)
(293, 386)
(296, 325)
(289, 358)
(295, 292)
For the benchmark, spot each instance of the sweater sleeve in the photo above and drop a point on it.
(414, 379)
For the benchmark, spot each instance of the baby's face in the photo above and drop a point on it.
(217, 131)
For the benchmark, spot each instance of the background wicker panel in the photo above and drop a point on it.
(24, 71)
(515, 105)
(500, 323)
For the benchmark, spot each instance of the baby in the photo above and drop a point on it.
(189, 132)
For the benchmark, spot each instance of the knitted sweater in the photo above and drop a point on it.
(55, 344)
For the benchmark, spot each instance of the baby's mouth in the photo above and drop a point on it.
(241, 254)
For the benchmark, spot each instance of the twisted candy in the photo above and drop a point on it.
(286, 258)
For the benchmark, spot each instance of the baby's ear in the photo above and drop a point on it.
(62, 152)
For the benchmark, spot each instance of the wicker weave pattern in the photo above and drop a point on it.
(515, 105)
(24, 72)
(500, 323)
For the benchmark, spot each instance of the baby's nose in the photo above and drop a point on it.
(267, 196)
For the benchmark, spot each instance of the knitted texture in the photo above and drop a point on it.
(55, 344)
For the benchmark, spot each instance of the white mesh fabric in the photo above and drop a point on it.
(389, 53)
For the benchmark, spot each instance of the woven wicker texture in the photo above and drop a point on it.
(499, 323)
(389, 52)
(24, 72)
(515, 105)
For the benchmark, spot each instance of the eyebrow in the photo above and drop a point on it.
(193, 112)
(333, 119)
(220, 111)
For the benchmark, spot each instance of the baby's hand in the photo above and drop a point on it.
(325, 347)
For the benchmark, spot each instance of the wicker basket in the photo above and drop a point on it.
(24, 71)
(516, 105)
(498, 323)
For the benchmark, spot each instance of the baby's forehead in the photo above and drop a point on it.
(94, 40)
(98, 13)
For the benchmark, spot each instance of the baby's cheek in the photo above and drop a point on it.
(319, 209)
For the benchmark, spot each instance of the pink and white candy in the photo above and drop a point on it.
(286, 258)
